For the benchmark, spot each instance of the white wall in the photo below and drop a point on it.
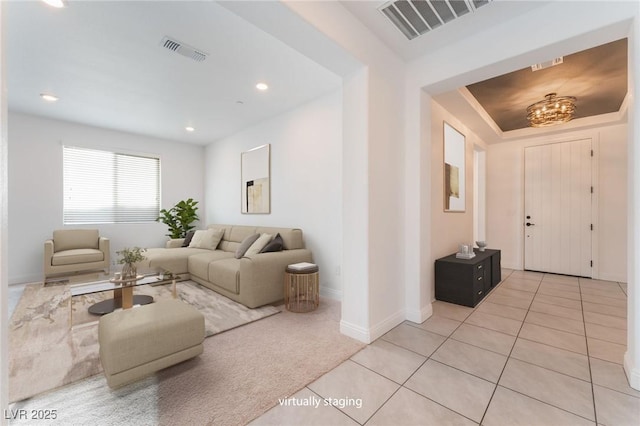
(373, 153)
(450, 229)
(505, 198)
(306, 180)
(374, 263)
(35, 185)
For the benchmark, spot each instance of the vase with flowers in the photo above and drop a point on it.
(128, 257)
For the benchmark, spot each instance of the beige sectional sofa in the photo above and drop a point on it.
(253, 280)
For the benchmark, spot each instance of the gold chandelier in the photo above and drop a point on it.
(551, 110)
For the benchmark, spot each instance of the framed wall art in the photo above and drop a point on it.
(255, 166)
(454, 169)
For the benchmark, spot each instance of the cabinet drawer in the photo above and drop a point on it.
(478, 290)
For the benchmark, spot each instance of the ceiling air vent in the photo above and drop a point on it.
(183, 49)
(416, 17)
(547, 64)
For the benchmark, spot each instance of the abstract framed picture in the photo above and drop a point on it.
(255, 166)
(454, 169)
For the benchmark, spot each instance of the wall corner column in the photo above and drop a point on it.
(632, 356)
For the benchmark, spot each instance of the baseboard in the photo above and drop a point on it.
(612, 277)
(26, 279)
(387, 324)
(355, 331)
(331, 293)
(633, 374)
(419, 316)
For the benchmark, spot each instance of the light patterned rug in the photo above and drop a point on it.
(49, 347)
(241, 374)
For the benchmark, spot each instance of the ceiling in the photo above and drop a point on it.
(495, 109)
(597, 77)
(484, 17)
(105, 62)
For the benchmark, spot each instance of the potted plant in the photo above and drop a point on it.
(129, 257)
(179, 218)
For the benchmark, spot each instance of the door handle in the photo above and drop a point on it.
(530, 224)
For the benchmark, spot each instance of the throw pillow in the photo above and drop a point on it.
(187, 238)
(208, 239)
(274, 245)
(259, 244)
(245, 244)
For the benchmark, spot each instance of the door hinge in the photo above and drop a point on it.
(592, 189)
(592, 153)
(591, 226)
(591, 263)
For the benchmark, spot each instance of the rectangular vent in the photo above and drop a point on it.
(547, 64)
(183, 49)
(416, 17)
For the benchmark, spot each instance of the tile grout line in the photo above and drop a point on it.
(528, 396)
(446, 338)
(509, 356)
(586, 341)
(402, 385)
(333, 406)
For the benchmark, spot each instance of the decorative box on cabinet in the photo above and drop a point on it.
(467, 281)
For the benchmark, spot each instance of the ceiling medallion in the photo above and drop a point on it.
(551, 110)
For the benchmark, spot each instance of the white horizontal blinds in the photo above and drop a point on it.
(109, 187)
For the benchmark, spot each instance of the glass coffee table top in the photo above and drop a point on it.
(107, 285)
(119, 289)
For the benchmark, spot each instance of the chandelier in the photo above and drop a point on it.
(551, 110)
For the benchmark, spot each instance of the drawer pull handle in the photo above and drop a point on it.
(479, 266)
(480, 292)
(479, 278)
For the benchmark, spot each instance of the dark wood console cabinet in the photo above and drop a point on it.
(467, 281)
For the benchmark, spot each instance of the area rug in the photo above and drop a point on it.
(241, 374)
(49, 347)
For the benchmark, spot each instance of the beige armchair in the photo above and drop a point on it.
(75, 250)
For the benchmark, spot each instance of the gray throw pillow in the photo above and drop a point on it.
(187, 238)
(245, 244)
(274, 245)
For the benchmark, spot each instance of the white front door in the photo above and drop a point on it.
(557, 209)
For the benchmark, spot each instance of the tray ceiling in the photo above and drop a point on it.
(597, 77)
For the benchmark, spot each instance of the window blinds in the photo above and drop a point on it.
(109, 187)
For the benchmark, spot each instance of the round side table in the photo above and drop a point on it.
(301, 289)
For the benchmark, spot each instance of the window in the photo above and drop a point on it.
(109, 187)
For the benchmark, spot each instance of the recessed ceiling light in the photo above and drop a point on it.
(262, 86)
(55, 3)
(190, 129)
(49, 98)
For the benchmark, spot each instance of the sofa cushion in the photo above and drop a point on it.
(274, 245)
(75, 256)
(199, 263)
(174, 260)
(188, 238)
(245, 244)
(259, 244)
(291, 237)
(69, 239)
(226, 274)
(207, 239)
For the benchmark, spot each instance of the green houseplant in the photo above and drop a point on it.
(179, 218)
(129, 257)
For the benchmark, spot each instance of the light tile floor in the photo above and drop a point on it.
(540, 349)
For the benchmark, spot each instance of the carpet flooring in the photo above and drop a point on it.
(49, 347)
(240, 375)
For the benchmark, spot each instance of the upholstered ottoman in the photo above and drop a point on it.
(140, 341)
